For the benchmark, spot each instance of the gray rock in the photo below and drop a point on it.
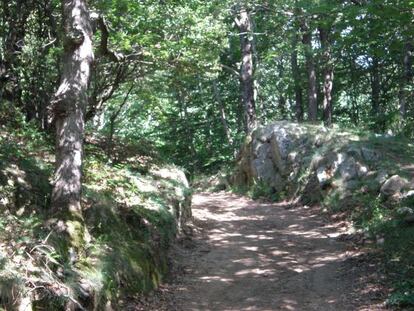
(323, 175)
(355, 152)
(273, 154)
(382, 177)
(312, 192)
(370, 155)
(393, 185)
(404, 211)
(362, 170)
(326, 167)
(277, 155)
(285, 156)
(349, 169)
(408, 195)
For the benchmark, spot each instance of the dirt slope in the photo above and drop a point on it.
(260, 256)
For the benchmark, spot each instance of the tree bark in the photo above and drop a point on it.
(328, 75)
(311, 72)
(182, 100)
(282, 106)
(222, 113)
(281, 90)
(68, 109)
(406, 80)
(244, 24)
(296, 79)
(354, 115)
(375, 87)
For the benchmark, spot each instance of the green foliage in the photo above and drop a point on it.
(261, 190)
(158, 103)
(131, 219)
(386, 222)
(403, 295)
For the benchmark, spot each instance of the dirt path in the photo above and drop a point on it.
(259, 257)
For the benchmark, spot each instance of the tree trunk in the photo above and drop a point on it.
(375, 87)
(296, 78)
(69, 106)
(281, 90)
(324, 34)
(222, 113)
(112, 123)
(187, 128)
(244, 24)
(311, 71)
(406, 80)
(354, 114)
(282, 106)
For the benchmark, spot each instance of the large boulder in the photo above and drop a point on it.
(270, 154)
(303, 160)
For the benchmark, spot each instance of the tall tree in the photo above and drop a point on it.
(328, 72)
(244, 24)
(406, 80)
(69, 107)
(297, 82)
(375, 87)
(311, 72)
(223, 117)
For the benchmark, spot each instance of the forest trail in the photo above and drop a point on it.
(264, 256)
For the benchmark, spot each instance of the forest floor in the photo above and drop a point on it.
(249, 255)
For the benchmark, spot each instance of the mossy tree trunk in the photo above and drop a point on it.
(69, 106)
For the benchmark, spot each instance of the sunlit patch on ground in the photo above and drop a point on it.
(260, 256)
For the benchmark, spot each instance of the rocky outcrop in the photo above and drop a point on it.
(308, 161)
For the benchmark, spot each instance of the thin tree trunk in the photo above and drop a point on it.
(296, 78)
(354, 93)
(328, 75)
(281, 90)
(282, 106)
(311, 72)
(244, 24)
(69, 106)
(189, 133)
(112, 120)
(222, 113)
(406, 80)
(375, 87)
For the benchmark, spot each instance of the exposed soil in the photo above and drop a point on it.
(256, 256)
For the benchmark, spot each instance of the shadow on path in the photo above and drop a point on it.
(260, 256)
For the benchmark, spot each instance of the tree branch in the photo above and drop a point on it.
(104, 48)
(231, 70)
